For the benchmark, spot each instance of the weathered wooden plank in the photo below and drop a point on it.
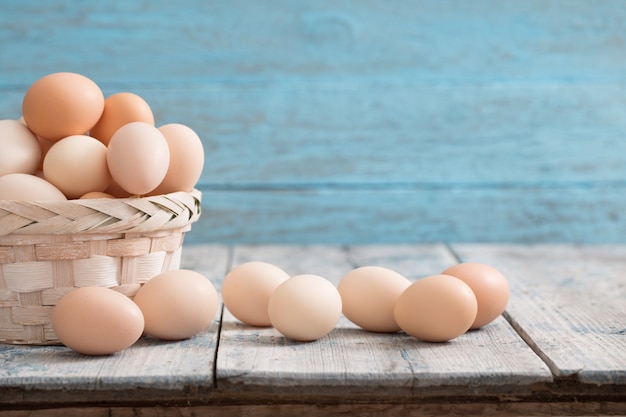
(500, 408)
(568, 303)
(149, 370)
(156, 41)
(400, 215)
(349, 362)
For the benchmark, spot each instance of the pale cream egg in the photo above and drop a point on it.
(305, 307)
(28, 187)
(19, 148)
(77, 165)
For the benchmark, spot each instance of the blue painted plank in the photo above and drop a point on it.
(309, 135)
(339, 108)
(522, 215)
(196, 40)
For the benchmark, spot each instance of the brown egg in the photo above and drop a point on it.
(45, 146)
(77, 165)
(247, 288)
(305, 307)
(437, 308)
(138, 157)
(490, 287)
(97, 321)
(177, 304)
(368, 295)
(120, 109)
(28, 187)
(62, 104)
(186, 159)
(19, 148)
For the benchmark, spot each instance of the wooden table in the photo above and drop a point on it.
(560, 348)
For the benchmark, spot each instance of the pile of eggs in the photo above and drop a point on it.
(436, 308)
(73, 143)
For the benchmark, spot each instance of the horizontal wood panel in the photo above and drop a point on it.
(158, 41)
(496, 98)
(412, 215)
(311, 133)
(566, 303)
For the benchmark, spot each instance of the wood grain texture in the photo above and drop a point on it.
(409, 215)
(568, 303)
(562, 354)
(149, 370)
(502, 408)
(153, 41)
(353, 363)
(522, 98)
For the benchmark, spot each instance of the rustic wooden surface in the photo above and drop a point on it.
(399, 121)
(557, 350)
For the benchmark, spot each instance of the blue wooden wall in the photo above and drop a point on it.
(364, 121)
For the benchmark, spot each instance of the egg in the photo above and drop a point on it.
(97, 321)
(305, 307)
(19, 148)
(120, 109)
(116, 191)
(488, 284)
(368, 295)
(95, 194)
(177, 304)
(44, 145)
(247, 288)
(437, 308)
(186, 159)
(28, 187)
(138, 157)
(77, 165)
(62, 104)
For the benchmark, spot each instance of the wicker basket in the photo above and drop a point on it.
(48, 248)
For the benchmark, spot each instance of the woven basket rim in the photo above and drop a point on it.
(101, 215)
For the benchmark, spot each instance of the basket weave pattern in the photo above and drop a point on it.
(48, 248)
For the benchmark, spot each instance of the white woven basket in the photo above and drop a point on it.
(48, 248)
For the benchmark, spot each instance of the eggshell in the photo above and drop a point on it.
(28, 187)
(186, 159)
(437, 308)
(45, 146)
(97, 321)
(490, 287)
(305, 307)
(62, 104)
(116, 191)
(19, 148)
(95, 194)
(120, 109)
(247, 288)
(368, 295)
(77, 165)
(138, 157)
(177, 304)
